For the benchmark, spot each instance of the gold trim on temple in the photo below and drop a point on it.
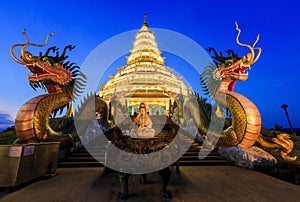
(145, 78)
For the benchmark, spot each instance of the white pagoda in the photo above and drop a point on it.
(145, 78)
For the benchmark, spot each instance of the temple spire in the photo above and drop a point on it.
(145, 19)
(145, 78)
(145, 24)
(145, 48)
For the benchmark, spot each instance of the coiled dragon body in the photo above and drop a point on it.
(55, 76)
(218, 80)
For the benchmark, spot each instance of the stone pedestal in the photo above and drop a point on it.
(250, 157)
(23, 163)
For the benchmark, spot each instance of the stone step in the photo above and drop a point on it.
(187, 158)
(84, 150)
(204, 162)
(79, 164)
(196, 153)
(82, 154)
(84, 159)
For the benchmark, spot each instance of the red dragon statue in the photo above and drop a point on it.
(57, 78)
(218, 81)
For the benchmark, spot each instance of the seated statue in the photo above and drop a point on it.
(144, 122)
(96, 127)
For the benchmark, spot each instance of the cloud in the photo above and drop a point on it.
(5, 121)
(285, 81)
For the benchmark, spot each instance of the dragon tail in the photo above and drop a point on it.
(282, 142)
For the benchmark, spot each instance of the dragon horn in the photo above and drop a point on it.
(258, 54)
(14, 46)
(257, 39)
(24, 35)
(250, 61)
(31, 44)
(256, 48)
(13, 55)
(23, 55)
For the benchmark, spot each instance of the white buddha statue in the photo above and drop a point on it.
(144, 121)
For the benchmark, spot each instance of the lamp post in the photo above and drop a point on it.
(284, 107)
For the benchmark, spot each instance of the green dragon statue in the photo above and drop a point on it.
(55, 76)
(218, 81)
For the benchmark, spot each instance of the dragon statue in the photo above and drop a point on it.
(55, 76)
(218, 80)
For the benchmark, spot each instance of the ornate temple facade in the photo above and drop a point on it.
(145, 78)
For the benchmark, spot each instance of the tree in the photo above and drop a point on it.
(278, 127)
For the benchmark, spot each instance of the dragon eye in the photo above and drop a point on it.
(45, 59)
(228, 63)
(247, 57)
(27, 57)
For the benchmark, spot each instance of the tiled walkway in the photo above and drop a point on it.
(202, 183)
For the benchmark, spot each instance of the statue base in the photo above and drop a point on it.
(23, 163)
(250, 157)
(143, 133)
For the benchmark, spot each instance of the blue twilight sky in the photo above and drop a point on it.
(273, 80)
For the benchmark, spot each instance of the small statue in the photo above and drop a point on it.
(145, 123)
(100, 115)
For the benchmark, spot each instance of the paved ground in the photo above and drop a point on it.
(202, 183)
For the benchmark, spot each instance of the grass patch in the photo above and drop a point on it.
(289, 172)
(64, 125)
(8, 136)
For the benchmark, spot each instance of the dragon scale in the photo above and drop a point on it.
(246, 122)
(32, 120)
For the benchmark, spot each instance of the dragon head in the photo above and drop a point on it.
(47, 67)
(228, 69)
(51, 73)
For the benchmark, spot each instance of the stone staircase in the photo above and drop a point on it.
(191, 158)
(82, 158)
